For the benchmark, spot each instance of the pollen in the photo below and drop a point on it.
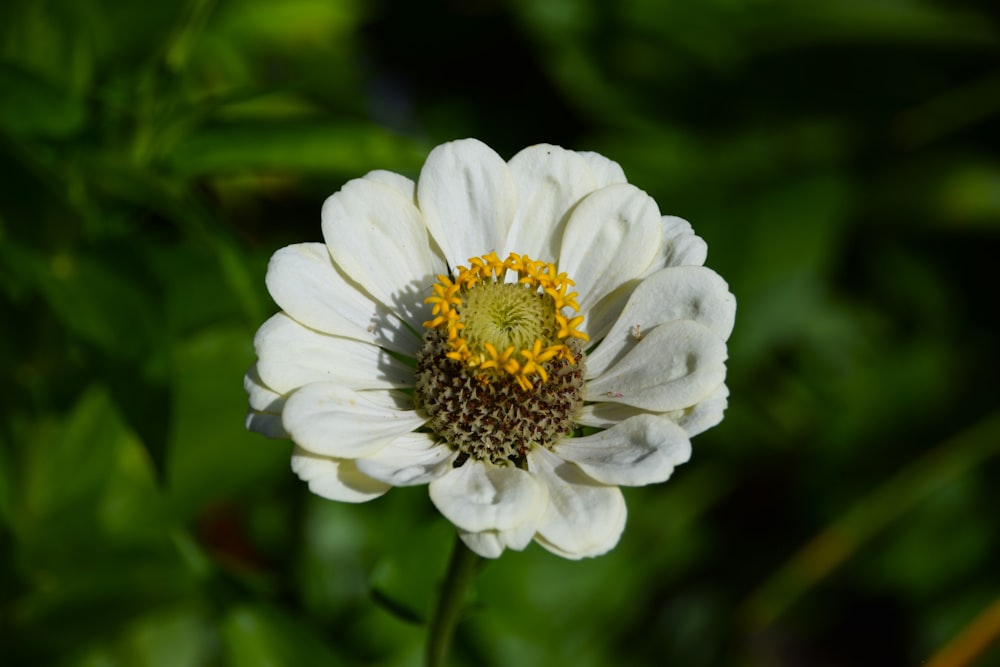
(507, 319)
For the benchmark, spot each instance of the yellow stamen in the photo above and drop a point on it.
(538, 279)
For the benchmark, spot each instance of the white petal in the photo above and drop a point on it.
(480, 496)
(677, 293)
(639, 451)
(599, 318)
(604, 170)
(264, 415)
(674, 366)
(330, 419)
(307, 285)
(486, 543)
(491, 543)
(550, 180)
(290, 356)
(694, 420)
(267, 424)
(261, 397)
(603, 414)
(583, 517)
(408, 460)
(405, 186)
(703, 416)
(336, 479)
(467, 196)
(680, 245)
(519, 537)
(611, 238)
(379, 240)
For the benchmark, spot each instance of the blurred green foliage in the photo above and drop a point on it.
(840, 157)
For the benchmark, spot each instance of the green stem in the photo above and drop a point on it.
(461, 571)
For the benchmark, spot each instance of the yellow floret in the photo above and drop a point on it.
(538, 278)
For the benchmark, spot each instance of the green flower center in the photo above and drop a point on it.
(507, 315)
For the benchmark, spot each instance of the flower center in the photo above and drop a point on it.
(507, 328)
(501, 369)
(506, 315)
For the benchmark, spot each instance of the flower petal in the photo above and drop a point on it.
(639, 451)
(604, 414)
(264, 415)
(491, 543)
(583, 517)
(307, 285)
(681, 247)
(519, 537)
(703, 416)
(336, 479)
(403, 185)
(612, 236)
(479, 496)
(330, 419)
(486, 543)
(674, 366)
(694, 420)
(414, 458)
(677, 293)
(550, 181)
(377, 237)
(261, 397)
(604, 170)
(467, 196)
(290, 356)
(267, 424)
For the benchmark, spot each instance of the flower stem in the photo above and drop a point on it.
(461, 571)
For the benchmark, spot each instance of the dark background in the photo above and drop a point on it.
(839, 157)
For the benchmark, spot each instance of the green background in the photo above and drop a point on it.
(839, 157)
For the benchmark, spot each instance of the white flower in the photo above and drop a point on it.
(438, 337)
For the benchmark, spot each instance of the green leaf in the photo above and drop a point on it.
(337, 148)
(406, 581)
(86, 478)
(970, 196)
(144, 397)
(67, 468)
(264, 636)
(869, 516)
(36, 107)
(160, 639)
(92, 296)
(211, 453)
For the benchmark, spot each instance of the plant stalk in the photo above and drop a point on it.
(462, 571)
